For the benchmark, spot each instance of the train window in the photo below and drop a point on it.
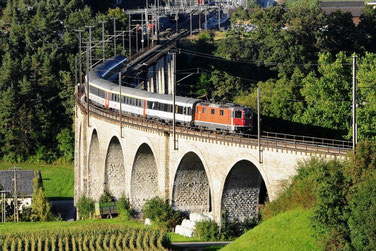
(169, 108)
(189, 111)
(180, 109)
(203, 110)
(221, 112)
(212, 111)
(238, 114)
(248, 114)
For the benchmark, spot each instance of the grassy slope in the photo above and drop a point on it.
(59, 178)
(25, 227)
(287, 231)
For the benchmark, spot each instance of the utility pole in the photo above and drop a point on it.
(219, 17)
(258, 124)
(206, 20)
(174, 101)
(190, 21)
(103, 42)
(90, 42)
(142, 31)
(130, 35)
(79, 53)
(355, 125)
(120, 113)
(15, 195)
(3, 206)
(114, 36)
(87, 84)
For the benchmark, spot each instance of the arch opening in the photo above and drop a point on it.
(191, 190)
(114, 172)
(243, 191)
(94, 168)
(144, 180)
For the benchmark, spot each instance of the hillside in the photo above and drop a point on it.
(286, 231)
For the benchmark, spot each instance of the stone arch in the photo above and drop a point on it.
(144, 178)
(241, 192)
(114, 168)
(191, 190)
(94, 168)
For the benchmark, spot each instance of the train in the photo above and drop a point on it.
(188, 111)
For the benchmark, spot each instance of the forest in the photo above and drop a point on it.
(39, 44)
(301, 58)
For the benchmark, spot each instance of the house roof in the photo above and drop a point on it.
(356, 8)
(24, 181)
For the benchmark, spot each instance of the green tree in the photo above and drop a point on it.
(327, 94)
(40, 207)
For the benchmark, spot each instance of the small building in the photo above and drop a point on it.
(372, 4)
(24, 182)
(356, 8)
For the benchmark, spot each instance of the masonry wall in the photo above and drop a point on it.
(196, 176)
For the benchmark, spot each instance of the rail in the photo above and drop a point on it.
(268, 139)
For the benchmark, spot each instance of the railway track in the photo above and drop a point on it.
(268, 139)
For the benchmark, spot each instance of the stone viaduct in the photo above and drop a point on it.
(205, 172)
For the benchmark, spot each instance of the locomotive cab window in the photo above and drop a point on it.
(221, 112)
(248, 114)
(238, 114)
(212, 111)
(203, 110)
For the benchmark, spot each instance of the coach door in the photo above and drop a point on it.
(107, 100)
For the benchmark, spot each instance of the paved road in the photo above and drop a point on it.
(64, 208)
(196, 246)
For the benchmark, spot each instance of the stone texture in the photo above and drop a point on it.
(181, 181)
(144, 183)
(191, 185)
(95, 170)
(241, 192)
(115, 174)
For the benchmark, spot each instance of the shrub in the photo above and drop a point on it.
(85, 207)
(362, 221)
(162, 213)
(299, 194)
(331, 211)
(66, 144)
(207, 231)
(124, 208)
(40, 207)
(107, 197)
(233, 229)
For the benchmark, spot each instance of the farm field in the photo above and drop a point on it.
(88, 237)
(58, 178)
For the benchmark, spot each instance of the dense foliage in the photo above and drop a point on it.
(301, 58)
(38, 46)
(162, 213)
(40, 207)
(342, 197)
(85, 207)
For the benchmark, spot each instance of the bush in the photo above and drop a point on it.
(232, 230)
(207, 231)
(85, 207)
(331, 211)
(66, 144)
(362, 221)
(124, 208)
(107, 197)
(40, 207)
(300, 194)
(162, 213)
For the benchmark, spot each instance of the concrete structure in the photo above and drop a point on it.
(205, 174)
(160, 75)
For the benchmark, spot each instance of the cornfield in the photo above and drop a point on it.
(82, 239)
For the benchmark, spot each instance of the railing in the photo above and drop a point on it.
(268, 139)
